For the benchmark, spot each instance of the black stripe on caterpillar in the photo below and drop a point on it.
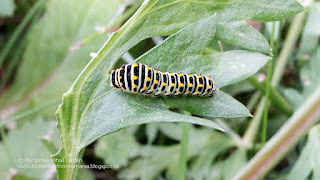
(143, 79)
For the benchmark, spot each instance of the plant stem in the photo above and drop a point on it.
(267, 92)
(288, 46)
(284, 139)
(183, 151)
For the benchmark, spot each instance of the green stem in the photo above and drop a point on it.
(183, 152)
(267, 92)
(288, 135)
(288, 47)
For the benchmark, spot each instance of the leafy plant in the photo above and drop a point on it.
(81, 117)
(50, 47)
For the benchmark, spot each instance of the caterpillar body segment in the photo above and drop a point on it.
(143, 79)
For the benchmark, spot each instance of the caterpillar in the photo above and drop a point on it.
(143, 79)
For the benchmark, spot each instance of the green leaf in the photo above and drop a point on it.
(28, 151)
(309, 159)
(239, 33)
(6, 8)
(221, 105)
(118, 148)
(311, 33)
(226, 68)
(50, 65)
(119, 110)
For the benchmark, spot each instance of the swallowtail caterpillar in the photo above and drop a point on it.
(143, 79)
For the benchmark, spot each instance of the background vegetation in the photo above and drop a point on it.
(261, 123)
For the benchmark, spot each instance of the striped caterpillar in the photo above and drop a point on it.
(143, 79)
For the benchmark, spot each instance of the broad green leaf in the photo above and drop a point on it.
(311, 33)
(309, 159)
(81, 117)
(239, 33)
(6, 8)
(226, 68)
(49, 64)
(119, 110)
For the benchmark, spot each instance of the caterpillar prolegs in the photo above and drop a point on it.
(143, 79)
